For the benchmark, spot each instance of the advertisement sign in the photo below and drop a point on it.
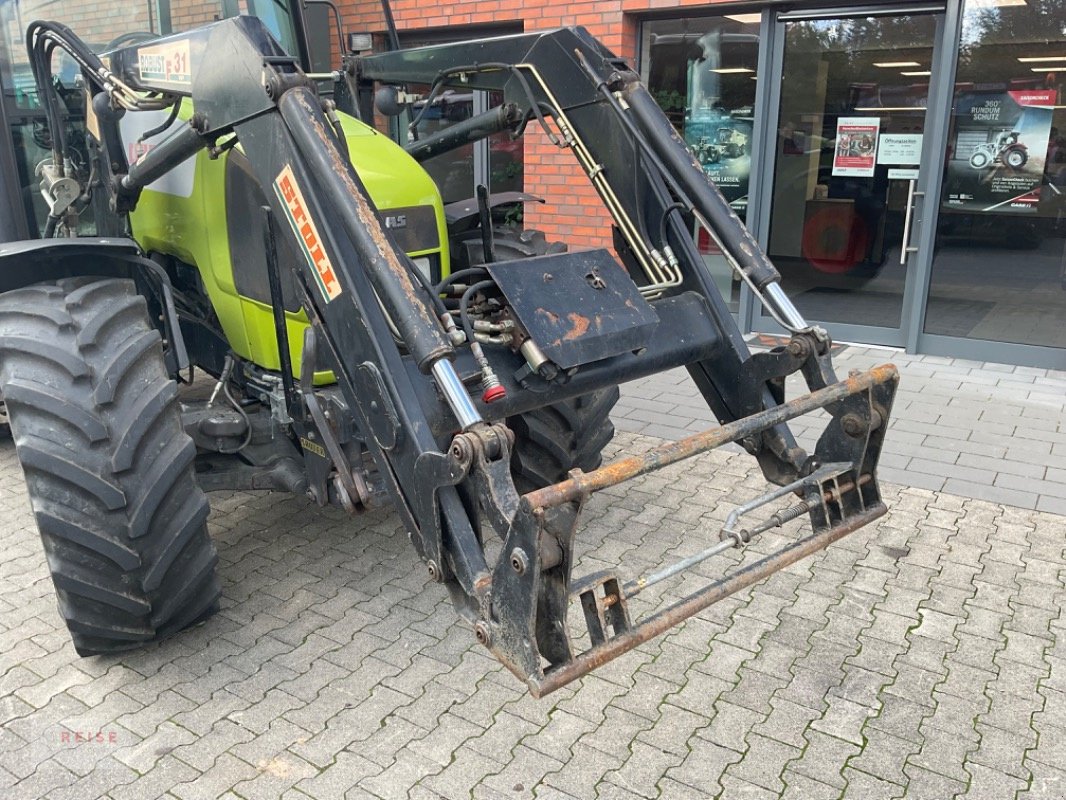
(722, 145)
(998, 155)
(856, 147)
(899, 148)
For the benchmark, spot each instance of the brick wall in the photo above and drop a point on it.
(573, 211)
(186, 14)
(99, 22)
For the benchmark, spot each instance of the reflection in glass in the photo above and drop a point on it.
(455, 171)
(702, 72)
(452, 171)
(998, 269)
(852, 117)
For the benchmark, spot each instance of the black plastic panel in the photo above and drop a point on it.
(244, 220)
(414, 227)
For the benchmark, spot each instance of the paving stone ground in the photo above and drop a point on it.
(922, 657)
(976, 429)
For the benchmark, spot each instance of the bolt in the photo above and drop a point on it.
(462, 451)
(434, 571)
(797, 348)
(483, 633)
(519, 560)
(853, 425)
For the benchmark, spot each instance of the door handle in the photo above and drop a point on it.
(905, 246)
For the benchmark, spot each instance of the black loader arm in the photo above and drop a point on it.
(591, 103)
(554, 327)
(357, 284)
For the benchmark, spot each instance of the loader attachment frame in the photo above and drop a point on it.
(410, 385)
(838, 497)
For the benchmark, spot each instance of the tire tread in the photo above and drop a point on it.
(108, 466)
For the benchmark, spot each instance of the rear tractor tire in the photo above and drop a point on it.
(1016, 157)
(108, 466)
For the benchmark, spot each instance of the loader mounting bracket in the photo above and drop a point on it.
(577, 307)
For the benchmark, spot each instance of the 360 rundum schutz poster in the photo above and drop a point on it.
(997, 158)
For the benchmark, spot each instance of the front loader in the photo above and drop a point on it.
(304, 262)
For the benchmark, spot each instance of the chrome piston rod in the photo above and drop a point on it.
(775, 296)
(456, 394)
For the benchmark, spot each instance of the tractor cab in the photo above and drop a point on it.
(24, 137)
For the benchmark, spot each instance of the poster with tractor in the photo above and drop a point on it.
(997, 157)
(722, 144)
(718, 113)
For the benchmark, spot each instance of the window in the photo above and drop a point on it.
(105, 26)
(999, 269)
(702, 72)
(497, 162)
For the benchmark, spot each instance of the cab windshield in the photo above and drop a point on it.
(103, 26)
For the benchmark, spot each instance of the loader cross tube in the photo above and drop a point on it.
(696, 602)
(580, 486)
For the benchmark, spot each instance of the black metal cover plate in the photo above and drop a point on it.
(577, 307)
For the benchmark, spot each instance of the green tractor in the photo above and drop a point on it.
(209, 205)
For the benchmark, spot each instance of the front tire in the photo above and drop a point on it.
(551, 441)
(108, 466)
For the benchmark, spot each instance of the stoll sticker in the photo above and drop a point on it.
(296, 210)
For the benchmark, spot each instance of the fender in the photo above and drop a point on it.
(36, 260)
(33, 261)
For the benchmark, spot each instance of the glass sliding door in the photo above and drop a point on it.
(998, 269)
(852, 115)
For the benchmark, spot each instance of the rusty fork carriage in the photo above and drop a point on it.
(839, 496)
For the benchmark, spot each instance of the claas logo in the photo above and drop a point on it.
(296, 210)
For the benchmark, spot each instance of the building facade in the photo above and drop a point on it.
(904, 164)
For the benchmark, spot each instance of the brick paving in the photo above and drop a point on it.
(923, 657)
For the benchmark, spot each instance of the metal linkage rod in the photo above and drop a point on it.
(730, 537)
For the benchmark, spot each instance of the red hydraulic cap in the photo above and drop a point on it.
(493, 394)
